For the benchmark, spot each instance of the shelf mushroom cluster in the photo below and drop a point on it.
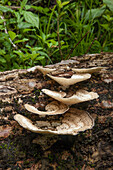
(71, 120)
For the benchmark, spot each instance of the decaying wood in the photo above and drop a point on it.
(18, 87)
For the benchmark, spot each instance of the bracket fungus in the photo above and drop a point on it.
(41, 69)
(80, 96)
(68, 120)
(45, 70)
(72, 123)
(66, 82)
(87, 70)
(53, 108)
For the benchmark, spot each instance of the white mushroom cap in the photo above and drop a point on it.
(32, 69)
(53, 108)
(73, 122)
(40, 68)
(80, 96)
(75, 78)
(88, 70)
(45, 70)
(28, 124)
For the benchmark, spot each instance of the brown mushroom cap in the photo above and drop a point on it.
(72, 123)
(53, 108)
(75, 78)
(80, 96)
(88, 70)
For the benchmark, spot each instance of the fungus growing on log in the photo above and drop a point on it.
(80, 96)
(53, 108)
(42, 69)
(68, 120)
(71, 123)
(66, 82)
(87, 70)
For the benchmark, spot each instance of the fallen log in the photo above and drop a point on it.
(21, 148)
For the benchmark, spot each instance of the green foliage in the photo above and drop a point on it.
(12, 35)
(94, 13)
(31, 18)
(109, 3)
(36, 34)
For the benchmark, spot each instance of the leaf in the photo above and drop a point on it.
(2, 52)
(109, 3)
(2, 20)
(23, 3)
(19, 53)
(17, 14)
(38, 8)
(43, 36)
(65, 46)
(108, 18)
(31, 18)
(12, 21)
(62, 13)
(27, 7)
(23, 40)
(28, 29)
(93, 13)
(15, 66)
(5, 9)
(59, 3)
(23, 25)
(40, 58)
(2, 27)
(2, 60)
(41, 9)
(65, 3)
(105, 26)
(12, 35)
(44, 54)
(50, 18)
(33, 56)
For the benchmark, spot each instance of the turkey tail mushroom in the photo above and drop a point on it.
(66, 82)
(28, 124)
(88, 70)
(72, 123)
(41, 69)
(53, 108)
(80, 96)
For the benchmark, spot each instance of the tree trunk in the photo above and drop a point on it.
(22, 149)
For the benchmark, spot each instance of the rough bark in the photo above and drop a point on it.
(22, 149)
